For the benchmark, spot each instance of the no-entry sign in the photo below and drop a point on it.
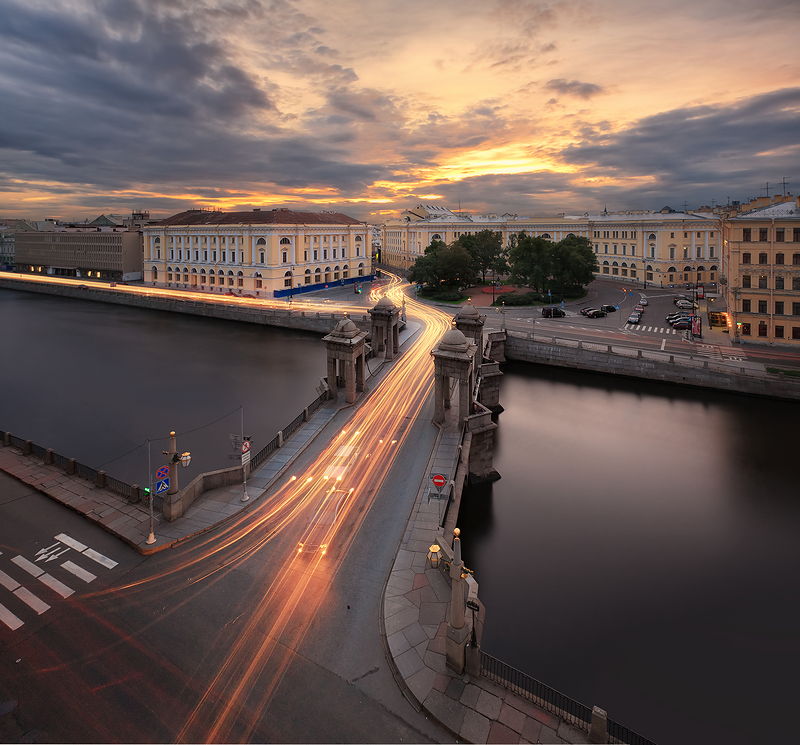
(438, 480)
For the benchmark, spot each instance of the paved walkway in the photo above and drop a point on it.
(415, 608)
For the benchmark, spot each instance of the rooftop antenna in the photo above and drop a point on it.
(766, 186)
(784, 183)
(685, 205)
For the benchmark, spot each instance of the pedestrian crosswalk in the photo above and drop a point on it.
(28, 587)
(651, 329)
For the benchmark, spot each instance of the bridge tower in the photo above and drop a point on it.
(346, 359)
(385, 328)
(453, 363)
(470, 323)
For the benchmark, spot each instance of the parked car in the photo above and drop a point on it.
(553, 313)
(643, 300)
(596, 313)
(639, 308)
(686, 304)
(608, 308)
(634, 318)
(680, 314)
(585, 311)
(680, 297)
(682, 323)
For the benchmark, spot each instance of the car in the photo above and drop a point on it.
(586, 310)
(608, 308)
(639, 308)
(553, 313)
(680, 297)
(643, 300)
(676, 316)
(634, 318)
(596, 313)
(687, 304)
(682, 323)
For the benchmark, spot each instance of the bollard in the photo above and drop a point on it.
(48, 457)
(101, 479)
(598, 731)
(6, 438)
(136, 493)
(27, 446)
(305, 414)
(71, 466)
(280, 439)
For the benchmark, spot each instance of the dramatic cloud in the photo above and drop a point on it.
(520, 105)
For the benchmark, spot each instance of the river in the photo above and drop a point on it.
(640, 552)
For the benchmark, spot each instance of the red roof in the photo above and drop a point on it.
(259, 217)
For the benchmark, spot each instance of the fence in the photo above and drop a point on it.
(549, 699)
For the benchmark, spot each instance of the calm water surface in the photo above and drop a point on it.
(94, 381)
(640, 552)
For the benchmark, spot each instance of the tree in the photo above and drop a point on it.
(441, 265)
(544, 265)
(530, 260)
(486, 250)
(574, 263)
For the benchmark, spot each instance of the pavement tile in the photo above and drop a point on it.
(488, 704)
(403, 559)
(420, 580)
(475, 727)
(421, 683)
(434, 660)
(398, 643)
(532, 729)
(438, 644)
(455, 688)
(470, 695)
(499, 733)
(532, 710)
(415, 634)
(569, 733)
(397, 585)
(511, 717)
(394, 604)
(450, 713)
(409, 663)
(400, 620)
(432, 614)
(441, 681)
(430, 631)
(439, 584)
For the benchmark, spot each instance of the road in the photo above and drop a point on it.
(237, 636)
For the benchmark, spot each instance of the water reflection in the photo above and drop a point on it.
(649, 535)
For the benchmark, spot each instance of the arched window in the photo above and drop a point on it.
(713, 268)
(624, 263)
(570, 235)
(651, 237)
(345, 271)
(359, 239)
(202, 276)
(335, 273)
(287, 279)
(687, 269)
(194, 271)
(545, 235)
(360, 270)
(285, 242)
(327, 274)
(261, 242)
(157, 240)
(649, 267)
(436, 237)
(155, 273)
(307, 277)
(614, 263)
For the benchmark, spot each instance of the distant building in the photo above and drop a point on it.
(664, 247)
(762, 272)
(263, 253)
(9, 227)
(95, 253)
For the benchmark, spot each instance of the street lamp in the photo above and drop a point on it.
(473, 606)
(434, 555)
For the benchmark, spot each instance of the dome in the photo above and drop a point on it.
(468, 311)
(453, 341)
(345, 329)
(385, 302)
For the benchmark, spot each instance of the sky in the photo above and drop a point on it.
(370, 107)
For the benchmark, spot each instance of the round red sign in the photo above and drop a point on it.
(439, 481)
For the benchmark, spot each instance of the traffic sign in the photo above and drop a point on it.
(245, 446)
(162, 473)
(162, 486)
(438, 480)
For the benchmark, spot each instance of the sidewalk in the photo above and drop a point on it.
(415, 607)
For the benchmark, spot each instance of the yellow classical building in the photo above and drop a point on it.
(761, 266)
(663, 248)
(263, 253)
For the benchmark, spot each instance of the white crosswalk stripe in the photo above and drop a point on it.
(79, 572)
(27, 597)
(9, 619)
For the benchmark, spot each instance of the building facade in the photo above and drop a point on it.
(262, 253)
(93, 253)
(664, 248)
(762, 273)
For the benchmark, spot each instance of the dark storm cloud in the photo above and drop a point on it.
(737, 145)
(573, 88)
(140, 94)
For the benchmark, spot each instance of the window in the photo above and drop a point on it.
(746, 280)
(672, 252)
(795, 259)
(780, 235)
(284, 257)
(745, 329)
(746, 235)
(651, 237)
(762, 234)
(762, 282)
(762, 258)
(746, 306)
(779, 308)
(261, 242)
(796, 283)
(287, 279)
(615, 248)
(779, 258)
(746, 258)
(778, 283)
(316, 254)
(260, 257)
(762, 306)
(285, 242)
(796, 234)
(685, 235)
(239, 279)
(779, 332)
(699, 235)
(672, 235)
(652, 250)
(762, 329)
(698, 252)
(605, 248)
(686, 252)
(795, 332)
(360, 270)
(307, 277)
(796, 309)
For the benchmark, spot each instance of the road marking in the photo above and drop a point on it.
(71, 542)
(99, 558)
(79, 571)
(9, 619)
(27, 597)
(55, 585)
(8, 582)
(663, 344)
(28, 566)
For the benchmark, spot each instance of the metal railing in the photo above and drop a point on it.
(620, 733)
(121, 488)
(264, 453)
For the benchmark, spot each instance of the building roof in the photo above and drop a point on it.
(789, 208)
(278, 216)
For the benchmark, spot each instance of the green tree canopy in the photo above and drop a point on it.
(441, 265)
(543, 264)
(486, 250)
